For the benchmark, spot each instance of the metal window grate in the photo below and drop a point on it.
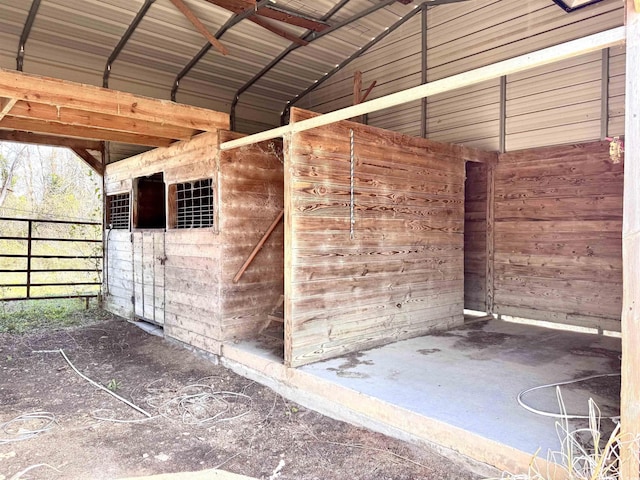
(119, 211)
(194, 204)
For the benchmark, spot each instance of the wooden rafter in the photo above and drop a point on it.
(38, 139)
(52, 107)
(290, 18)
(61, 93)
(53, 128)
(195, 21)
(278, 31)
(92, 161)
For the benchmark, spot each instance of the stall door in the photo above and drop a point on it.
(148, 273)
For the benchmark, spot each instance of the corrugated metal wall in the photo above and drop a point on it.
(550, 105)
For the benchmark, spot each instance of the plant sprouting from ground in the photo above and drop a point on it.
(575, 461)
(114, 385)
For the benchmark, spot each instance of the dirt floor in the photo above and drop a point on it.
(204, 416)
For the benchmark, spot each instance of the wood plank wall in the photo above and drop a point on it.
(558, 224)
(402, 273)
(552, 105)
(118, 288)
(475, 237)
(191, 270)
(251, 194)
(195, 296)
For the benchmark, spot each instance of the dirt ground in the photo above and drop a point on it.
(204, 416)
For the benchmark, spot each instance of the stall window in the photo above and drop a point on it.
(150, 202)
(191, 204)
(118, 211)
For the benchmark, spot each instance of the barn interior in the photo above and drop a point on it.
(362, 239)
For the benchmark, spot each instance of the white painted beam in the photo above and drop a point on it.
(581, 46)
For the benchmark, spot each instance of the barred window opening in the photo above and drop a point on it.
(194, 204)
(118, 210)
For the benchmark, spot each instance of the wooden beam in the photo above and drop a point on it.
(258, 246)
(195, 21)
(291, 18)
(62, 93)
(574, 48)
(6, 104)
(34, 138)
(52, 128)
(92, 161)
(368, 91)
(282, 33)
(69, 116)
(630, 389)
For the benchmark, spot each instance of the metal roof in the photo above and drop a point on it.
(72, 40)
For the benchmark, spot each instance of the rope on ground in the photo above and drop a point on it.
(199, 404)
(101, 387)
(18, 475)
(563, 416)
(45, 421)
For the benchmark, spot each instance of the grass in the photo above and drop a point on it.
(27, 316)
(585, 454)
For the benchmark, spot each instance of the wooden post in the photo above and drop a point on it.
(490, 237)
(357, 86)
(630, 392)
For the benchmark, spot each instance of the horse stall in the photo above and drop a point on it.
(182, 221)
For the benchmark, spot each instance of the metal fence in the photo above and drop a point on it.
(43, 259)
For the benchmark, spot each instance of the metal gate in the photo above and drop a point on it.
(41, 259)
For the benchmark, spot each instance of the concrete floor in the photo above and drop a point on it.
(470, 377)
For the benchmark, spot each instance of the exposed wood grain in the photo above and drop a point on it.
(62, 93)
(251, 196)
(75, 131)
(6, 105)
(92, 161)
(630, 391)
(28, 137)
(557, 244)
(392, 280)
(475, 237)
(278, 31)
(195, 21)
(258, 246)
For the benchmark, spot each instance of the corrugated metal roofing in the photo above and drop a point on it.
(72, 39)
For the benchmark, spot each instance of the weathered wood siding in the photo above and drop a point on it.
(251, 195)
(183, 278)
(552, 105)
(475, 237)
(118, 288)
(558, 224)
(401, 274)
(185, 286)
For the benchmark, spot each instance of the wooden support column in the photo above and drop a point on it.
(490, 236)
(357, 87)
(630, 392)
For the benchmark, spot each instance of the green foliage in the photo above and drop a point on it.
(114, 385)
(31, 315)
